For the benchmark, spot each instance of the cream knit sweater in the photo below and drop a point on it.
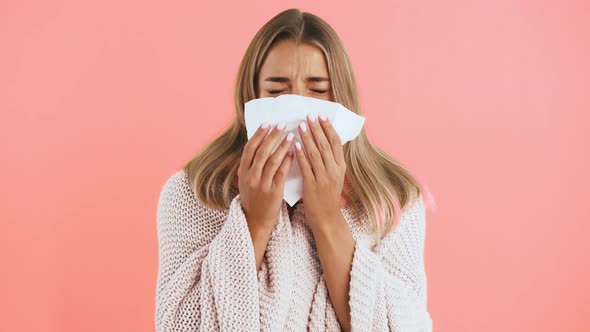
(207, 279)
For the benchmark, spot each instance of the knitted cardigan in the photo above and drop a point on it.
(207, 278)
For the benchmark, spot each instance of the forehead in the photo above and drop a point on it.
(287, 59)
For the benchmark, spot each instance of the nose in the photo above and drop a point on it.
(299, 88)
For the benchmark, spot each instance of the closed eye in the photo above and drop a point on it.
(279, 91)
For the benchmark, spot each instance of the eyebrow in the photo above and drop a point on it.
(286, 79)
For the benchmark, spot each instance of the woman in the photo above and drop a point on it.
(234, 257)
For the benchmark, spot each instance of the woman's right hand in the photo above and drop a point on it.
(262, 174)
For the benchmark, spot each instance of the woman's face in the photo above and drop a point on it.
(299, 70)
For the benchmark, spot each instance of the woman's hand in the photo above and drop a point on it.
(323, 168)
(262, 173)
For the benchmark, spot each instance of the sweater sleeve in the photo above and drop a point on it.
(388, 284)
(207, 277)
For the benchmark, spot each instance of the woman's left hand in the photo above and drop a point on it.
(322, 164)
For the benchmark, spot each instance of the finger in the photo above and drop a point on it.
(275, 160)
(265, 149)
(252, 145)
(334, 139)
(304, 165)
(281, 174)
(311, 151)
(321, 142)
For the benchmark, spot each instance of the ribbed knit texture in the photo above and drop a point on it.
(207, 278)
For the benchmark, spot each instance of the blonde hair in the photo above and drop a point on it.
(376, 183)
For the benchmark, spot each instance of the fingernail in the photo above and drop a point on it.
(265, 125)
(311, 117)
(290, 137)
(323, 117)
(303, 126)
(298, 145)
(281, 125)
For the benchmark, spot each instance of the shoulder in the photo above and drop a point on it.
(413, 219)
(409, 223)
(176, 180)
(411, 228)
(178, 206)
(414, 212)
(176, 189)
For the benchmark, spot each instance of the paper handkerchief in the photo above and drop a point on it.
(293, 109)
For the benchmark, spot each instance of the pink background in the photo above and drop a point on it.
(487, 101)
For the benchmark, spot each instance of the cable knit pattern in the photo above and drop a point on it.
(207, 278)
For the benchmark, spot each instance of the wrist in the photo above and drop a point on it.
(260, 229)
(329, 225)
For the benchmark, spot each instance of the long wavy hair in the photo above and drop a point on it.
(380, 187)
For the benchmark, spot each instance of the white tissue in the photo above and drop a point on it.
(293, 109)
